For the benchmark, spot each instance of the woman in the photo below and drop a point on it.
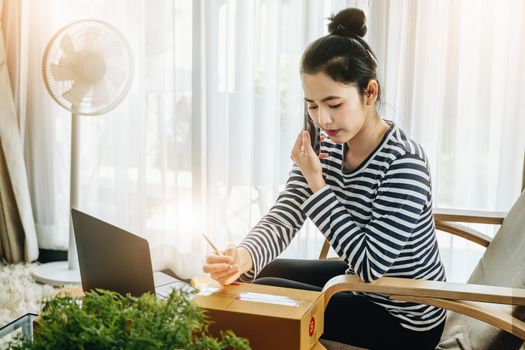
(368, 192)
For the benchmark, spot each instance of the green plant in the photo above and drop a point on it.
(107, 320)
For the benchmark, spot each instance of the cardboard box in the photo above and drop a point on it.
(269, 317)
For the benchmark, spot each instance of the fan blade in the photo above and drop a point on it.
(76, 94)
(62, 73)
(116, 74)
(67, 46)
(67, 61)
(100, 92)
(91, 36)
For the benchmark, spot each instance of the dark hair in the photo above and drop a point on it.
(343, 55)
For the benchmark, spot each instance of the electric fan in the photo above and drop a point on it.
(87, 68)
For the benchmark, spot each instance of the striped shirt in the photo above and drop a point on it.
(378, 219)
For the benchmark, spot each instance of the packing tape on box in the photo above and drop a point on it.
(253, 297)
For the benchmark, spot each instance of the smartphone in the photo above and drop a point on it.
(314, 131)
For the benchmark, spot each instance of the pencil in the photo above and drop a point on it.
(214, 247)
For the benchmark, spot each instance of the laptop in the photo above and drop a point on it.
(114, 259)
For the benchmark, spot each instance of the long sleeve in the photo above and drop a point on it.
(371, 249)
(274, 232)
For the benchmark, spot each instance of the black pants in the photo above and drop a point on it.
(349, 318)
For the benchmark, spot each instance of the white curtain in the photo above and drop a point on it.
(135, 161)
(254, 107)
(163, 164)
(453, 73)
(202, 141)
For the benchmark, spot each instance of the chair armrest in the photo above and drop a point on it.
(324, 250)
(422, 288)
(464, 232)
(472, 216)
(443, 219)
(480, 311)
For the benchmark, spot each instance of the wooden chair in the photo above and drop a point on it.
(488, 311)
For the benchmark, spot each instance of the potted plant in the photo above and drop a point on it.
(108, 320)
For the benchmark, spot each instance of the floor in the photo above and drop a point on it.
(20, 294)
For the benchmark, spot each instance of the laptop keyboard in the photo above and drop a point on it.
(165, 290)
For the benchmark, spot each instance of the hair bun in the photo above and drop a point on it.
(348, 22)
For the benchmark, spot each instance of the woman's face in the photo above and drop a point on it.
(334, 107)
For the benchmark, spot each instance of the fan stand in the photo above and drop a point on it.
(84, 66)
(66, 272)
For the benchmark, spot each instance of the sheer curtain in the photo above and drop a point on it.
(453, 73)
(135, 161)
(202, 141)
(193, 147)
(254, 106)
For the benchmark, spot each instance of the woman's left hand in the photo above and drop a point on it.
(307, 160)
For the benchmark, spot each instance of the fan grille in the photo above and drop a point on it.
(88, 67)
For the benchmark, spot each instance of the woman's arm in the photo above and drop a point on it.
(275, 230)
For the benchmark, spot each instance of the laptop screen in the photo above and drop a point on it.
(110, 257)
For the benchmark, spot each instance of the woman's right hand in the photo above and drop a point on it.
(229, 266)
